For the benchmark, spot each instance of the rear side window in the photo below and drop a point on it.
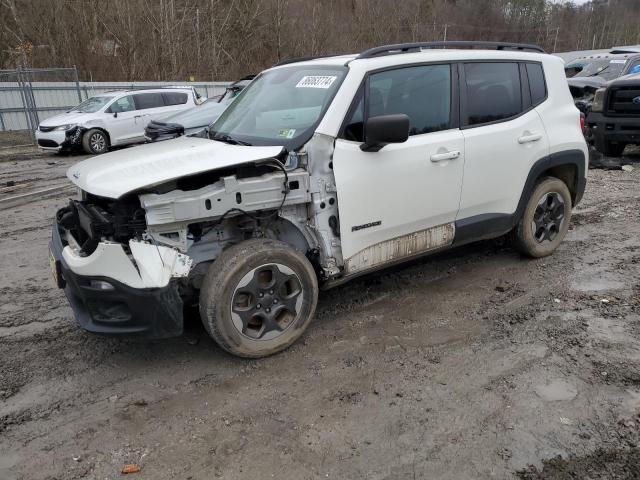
(493, 92)
(148, 100)
(175, 98)
(537, 84)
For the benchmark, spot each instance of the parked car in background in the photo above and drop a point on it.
(112, 119)
(614, 119)
(196, 119)
(586, 74)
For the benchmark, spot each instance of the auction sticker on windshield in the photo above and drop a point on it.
(287, 133)
(316, 81)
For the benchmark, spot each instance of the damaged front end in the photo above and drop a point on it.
(115, 280)
(583, 91)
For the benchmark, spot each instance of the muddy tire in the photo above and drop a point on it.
(258, 297)
(95, 141)
(545, 221)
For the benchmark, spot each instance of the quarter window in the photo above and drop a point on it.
(536, 83)
(493, 92)
(148, 100)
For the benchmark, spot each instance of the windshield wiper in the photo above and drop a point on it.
(229, 139)
(598, 73)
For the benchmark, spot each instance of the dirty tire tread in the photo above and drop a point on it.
(520, 237)
(220, 277)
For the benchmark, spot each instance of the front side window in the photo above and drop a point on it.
(423, 93)
(493, 92)
(124, 104)
(93, 104)
(280, 107)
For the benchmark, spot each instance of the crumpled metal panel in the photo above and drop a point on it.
(401, 247)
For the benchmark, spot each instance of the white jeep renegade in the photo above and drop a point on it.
(320, 171)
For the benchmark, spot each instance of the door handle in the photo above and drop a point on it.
(529, 137)
(440, 157)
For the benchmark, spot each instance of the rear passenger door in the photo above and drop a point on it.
(149, 106)
(503, 136)
(402, 200)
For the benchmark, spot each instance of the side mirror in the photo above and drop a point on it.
(115, 114)
(384, 129)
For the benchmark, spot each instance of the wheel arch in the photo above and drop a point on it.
(288, 232)
(568, 166)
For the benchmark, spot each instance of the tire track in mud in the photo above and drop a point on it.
(394, 383)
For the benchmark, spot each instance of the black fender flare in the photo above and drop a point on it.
(574, 158)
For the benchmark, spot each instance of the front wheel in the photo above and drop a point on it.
(95, 142)
(545, 221)
(258, 297)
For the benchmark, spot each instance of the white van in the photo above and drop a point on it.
(112, 118)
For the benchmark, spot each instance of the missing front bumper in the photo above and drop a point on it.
(106, 305)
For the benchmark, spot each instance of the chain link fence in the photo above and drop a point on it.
(30, 95)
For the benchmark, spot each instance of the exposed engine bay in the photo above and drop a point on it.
(198, 216)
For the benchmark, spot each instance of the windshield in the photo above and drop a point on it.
(280, 107)
(198, 116)
(606, 68)
(230, 93)
(92, 104)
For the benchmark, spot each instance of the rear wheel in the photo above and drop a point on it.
(545, 221)
(258, 297)
(95, 142)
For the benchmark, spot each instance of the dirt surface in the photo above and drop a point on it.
(468, 365)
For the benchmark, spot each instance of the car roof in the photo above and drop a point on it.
(427, 55)
(606, 56)
(149, 90)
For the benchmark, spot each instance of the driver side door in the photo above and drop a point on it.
(121, 120)
(402, 200)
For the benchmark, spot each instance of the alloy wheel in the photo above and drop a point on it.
(97, 142)
(266, 301)
(548, 217)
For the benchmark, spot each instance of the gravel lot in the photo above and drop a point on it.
(472, 364)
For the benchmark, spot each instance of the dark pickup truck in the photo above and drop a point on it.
(586, 74)
(613, 121)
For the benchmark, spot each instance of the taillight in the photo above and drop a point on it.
(582, 122)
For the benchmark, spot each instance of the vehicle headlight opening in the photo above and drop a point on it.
(598, 100)
(68, 126)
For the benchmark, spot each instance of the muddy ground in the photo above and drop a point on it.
(472, 364)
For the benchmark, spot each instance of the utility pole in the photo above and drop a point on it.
(445, 31)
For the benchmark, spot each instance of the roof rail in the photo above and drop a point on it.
(412, 47)
(299, 59)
